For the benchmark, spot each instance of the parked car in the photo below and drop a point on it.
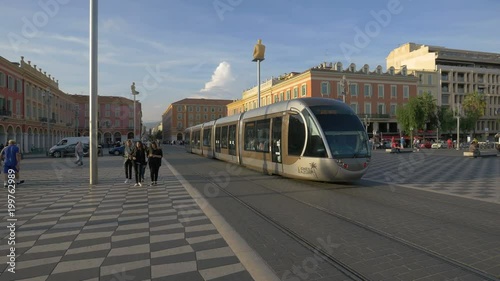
(439, 144)
(117, 150)
(69, 150)
(426, 144)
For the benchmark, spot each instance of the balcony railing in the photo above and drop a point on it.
(374, 116)
(5, 112)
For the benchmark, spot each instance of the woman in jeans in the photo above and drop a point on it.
(128, 163)
(155, 156)
(139, 158)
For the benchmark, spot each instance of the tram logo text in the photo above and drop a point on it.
(308, 170)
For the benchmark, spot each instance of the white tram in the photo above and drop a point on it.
(309, 138)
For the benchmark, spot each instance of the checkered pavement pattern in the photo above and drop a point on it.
(113, 231)
(443, 172)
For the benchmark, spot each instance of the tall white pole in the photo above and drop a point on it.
(93, 92)
(458, 126)
(135, 136)
(258, 83)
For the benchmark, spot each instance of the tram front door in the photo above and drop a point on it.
(276, 145)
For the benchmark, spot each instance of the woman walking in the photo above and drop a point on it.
(139, 158)
(128, 162)
(79, 153)
(155, 156)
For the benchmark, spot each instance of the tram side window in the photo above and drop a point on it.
(207, 137)
(250, 141)
(223, 137)
(296, 135)
(232, 140)
(187, 137)
(315, 146)
(262, 142)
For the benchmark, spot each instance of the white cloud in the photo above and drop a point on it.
(221, 83)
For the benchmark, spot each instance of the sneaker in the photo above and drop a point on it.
(126, 180)
(5, 184)
(140, 184)
(21, 181)
(136, 185)
(156, 183)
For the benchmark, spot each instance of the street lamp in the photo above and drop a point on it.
(367, 122)
(258, 56)
(134, 93)
(343, 84)
(48, 98)
(457, 115)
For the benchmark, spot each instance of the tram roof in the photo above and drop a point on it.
(297, 103)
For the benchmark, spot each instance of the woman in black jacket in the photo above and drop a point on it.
(139, 158)
(155, 156)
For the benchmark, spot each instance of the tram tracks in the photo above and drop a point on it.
(347, 270)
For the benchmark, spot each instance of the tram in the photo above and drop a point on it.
(315, 139)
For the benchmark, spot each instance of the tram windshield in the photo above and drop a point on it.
(344, 132)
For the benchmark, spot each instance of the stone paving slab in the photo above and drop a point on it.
(66, 230)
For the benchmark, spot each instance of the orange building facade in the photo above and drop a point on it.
(373, 95)
(189, 112)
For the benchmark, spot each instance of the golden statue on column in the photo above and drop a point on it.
(258, 51)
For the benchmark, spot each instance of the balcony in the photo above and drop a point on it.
(42, 119)
(5, 113)
(374, 116)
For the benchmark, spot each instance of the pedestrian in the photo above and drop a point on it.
(155, 156)
(128, 162)
(12, 160)
(139, 158)
(79, 153)
(146, 149)
(402, 142)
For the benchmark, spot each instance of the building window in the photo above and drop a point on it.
(179, 116)
(394, 93)
(406, 92)
(295, 92)
(282, 96)
(117, 112)
(354, 107)
(325, 88)
(2, 80)
(190, 117)
(303, 91)
(393, 109)
(276, 98)
(108, 106)
(18, 107)
(19, 86)
(190, 108)
(108, 113)
(10, 83)
(381, 108)
(287, 94)
(118, 123)
(198, 109)
(368, 90)
(368, 108)
(353, 89)
(429, 79)
(220, 108)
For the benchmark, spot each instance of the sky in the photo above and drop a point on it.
(175, 49)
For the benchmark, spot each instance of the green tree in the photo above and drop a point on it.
(474, 105)
(446, 120)
(417, 113)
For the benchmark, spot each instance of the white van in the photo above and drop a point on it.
(66, 146)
